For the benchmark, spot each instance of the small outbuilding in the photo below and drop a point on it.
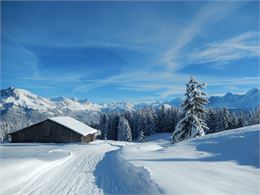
(61, 129)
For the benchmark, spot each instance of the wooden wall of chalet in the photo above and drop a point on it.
(48, 132)
(88, 138)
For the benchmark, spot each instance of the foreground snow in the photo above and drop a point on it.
(222, 163)
(49, 168)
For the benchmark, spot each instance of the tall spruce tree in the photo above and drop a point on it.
(192, 124)
(255, 116)
(241, 121)
(141, 137)
(211, 121)
(224, 120)
(111, 126)
(123, 131)
(102, 125)
(161, 119)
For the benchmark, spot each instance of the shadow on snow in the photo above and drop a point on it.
(117, 176)
(242, 148)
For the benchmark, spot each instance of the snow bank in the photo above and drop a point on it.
(115, 175)
(222, 163)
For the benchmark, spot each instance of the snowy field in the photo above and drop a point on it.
(221, 163)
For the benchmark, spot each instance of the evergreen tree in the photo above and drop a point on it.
(161, 119)
(149, 123)
(192, 124)
(169, 120)
(111, 126)
(211, 120)
(224, 120)
(141, 137)
(242, 120)
(102, 125)
(124, 131)
(255, 116)
(134, 125)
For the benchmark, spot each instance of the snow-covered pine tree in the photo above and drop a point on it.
(192, 124)
(141, 137)
(171, 119)
(148, 120)
(102, 125)
(242, 120)
(211, 121)
(255, 116)
(224, 120)
(134, 127)
(123, 130)
(129, 116)
(111, 126)
(161, 119)
(140, 122)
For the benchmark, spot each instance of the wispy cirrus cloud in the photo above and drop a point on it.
(17, 58)
(209, 13)
(246, 45)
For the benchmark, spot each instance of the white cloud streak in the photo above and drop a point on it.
(209, 13)
(242, 46)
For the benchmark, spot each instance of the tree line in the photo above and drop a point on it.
(191, 120)
(148, 121)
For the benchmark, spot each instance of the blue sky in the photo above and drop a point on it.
(129, 51)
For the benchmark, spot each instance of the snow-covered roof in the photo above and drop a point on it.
(74, 125)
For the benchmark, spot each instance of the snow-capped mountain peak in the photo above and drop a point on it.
(19, 98)
(253, 91)
(243, 101)
(118, 106)
(14, 97)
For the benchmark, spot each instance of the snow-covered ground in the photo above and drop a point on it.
(50, 168)
(222, 163)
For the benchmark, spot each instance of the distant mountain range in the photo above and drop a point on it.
(14, 98)
(22, 106)
(19, 98)
(248, 100)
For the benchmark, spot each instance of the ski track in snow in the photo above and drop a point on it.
(75, 176)
(95, 168)
(70, 175)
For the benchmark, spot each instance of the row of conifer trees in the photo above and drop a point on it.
(191, 120)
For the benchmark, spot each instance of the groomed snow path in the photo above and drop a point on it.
(50, 169)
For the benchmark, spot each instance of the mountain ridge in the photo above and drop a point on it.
(15, 98)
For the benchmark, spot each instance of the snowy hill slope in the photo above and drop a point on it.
(221, 163)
